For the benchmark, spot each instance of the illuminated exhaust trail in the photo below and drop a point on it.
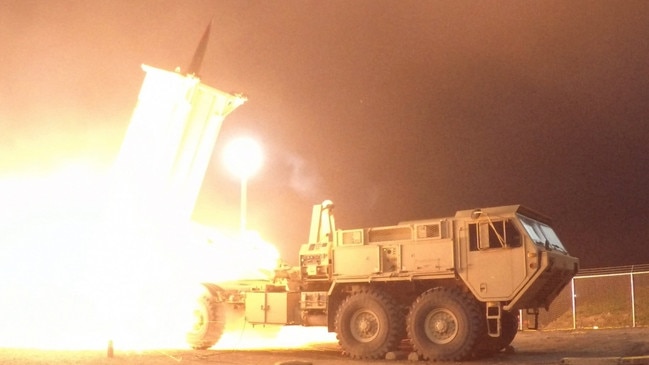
(90, 255)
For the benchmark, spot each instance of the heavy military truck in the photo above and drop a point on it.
(451, 288)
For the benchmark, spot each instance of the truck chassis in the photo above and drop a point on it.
(450, 288)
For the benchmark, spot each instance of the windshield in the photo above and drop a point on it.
(541, 233)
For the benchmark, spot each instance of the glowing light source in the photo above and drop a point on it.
(243, 157)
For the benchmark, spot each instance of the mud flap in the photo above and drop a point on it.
(533, 312)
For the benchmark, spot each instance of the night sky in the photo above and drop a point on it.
(395, 110)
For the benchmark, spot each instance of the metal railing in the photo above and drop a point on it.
(609, 297)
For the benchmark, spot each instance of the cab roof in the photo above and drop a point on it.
(505, 210)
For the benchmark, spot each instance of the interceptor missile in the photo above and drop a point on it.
(197, 60)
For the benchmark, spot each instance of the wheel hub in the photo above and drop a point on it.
(440, 326)
(365, 326)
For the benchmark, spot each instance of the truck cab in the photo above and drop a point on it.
(511, 255)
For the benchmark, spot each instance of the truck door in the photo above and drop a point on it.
(495, 259)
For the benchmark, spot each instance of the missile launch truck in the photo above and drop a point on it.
(451, 288)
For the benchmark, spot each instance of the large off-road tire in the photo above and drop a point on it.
(445, 324)
(368, 324)
(508, 330)
(209, 322)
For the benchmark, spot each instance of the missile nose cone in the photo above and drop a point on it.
(197, 60)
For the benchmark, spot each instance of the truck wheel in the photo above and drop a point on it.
(509, 329)
(444, 324)
(490, 345)
(209, 322)
(368, 324)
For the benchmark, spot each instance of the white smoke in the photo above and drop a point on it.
(304, 179)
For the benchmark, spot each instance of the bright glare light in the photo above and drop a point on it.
(73, 276)
(243, 157)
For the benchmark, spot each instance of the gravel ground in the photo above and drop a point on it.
(530, 347)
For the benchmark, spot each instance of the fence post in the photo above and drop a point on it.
(572, 300)
(632, 298)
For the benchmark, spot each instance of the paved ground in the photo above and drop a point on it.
(588, 347)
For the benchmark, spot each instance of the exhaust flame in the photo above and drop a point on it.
(278, 337)
(73, 277)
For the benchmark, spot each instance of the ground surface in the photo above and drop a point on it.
(530, 347)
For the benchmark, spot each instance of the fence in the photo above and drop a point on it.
(610, 297)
